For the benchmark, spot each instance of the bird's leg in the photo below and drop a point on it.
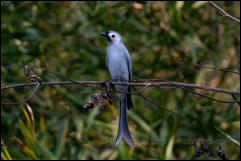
(112, 81)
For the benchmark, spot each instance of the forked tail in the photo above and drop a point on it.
(123, 124)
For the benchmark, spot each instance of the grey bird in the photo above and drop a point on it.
(119, 64)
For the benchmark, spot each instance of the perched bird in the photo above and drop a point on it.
(119, 64)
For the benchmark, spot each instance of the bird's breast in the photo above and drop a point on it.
(118, 66)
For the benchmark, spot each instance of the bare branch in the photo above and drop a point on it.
(190, 91)
(146, 85)
(25, 100)
(213, 99)
(224, 13)
(169, 83)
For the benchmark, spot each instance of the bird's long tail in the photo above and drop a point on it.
(123, 124)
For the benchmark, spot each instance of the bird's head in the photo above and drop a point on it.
(112, 36)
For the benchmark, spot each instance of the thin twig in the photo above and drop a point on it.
(150, 101)
(238, 102)
(213, 99)
(25, 100)
(223, 70)
(223, 12)
(200, 66)
(58, 75)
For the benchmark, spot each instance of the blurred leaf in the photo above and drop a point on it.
(79, 125)
(169, 149)
(29, 123)
(30, 153)
(198, 4)
(42, 123)
(61, 138)
(5, 155)
(106, 154)
(91, 117)
(46, 152)
(142, 123)
(179, 4)
(29, 139)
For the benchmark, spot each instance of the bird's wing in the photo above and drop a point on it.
(128, 60)
(106, 61)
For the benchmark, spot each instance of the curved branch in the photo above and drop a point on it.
(25, 100)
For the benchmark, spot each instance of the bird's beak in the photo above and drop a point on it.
(105, 34)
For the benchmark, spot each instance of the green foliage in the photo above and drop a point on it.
(64, 37)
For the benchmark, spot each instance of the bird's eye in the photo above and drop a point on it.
(113, 36)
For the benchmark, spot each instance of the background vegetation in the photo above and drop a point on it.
(64, 37)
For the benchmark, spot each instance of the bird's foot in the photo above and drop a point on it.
(113, 81)
(124, 82)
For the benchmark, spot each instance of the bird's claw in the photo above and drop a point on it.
(112, 81)
(124, 82)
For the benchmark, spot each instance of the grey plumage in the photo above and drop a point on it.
(119, 64)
